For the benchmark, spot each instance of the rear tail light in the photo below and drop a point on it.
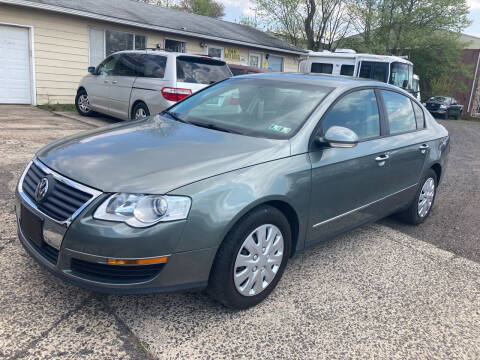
(175, 94)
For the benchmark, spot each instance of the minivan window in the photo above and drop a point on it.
(152, 66)
(107, 66)
(347, 70)
(197, 70)
(126, 65)
(401, 117)
(357, 111)
(269, 108)
(419, 115)
(322, 68)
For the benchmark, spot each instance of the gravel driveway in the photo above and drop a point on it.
(382, 291)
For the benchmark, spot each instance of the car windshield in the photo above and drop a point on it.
(401, 74)
(268, 108)
(438, 99)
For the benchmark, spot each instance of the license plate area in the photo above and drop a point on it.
(32, 226)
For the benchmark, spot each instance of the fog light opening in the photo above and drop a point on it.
(150, 261)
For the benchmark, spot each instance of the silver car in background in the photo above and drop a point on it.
(134, 84)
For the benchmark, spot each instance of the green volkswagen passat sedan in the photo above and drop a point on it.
(222, 189)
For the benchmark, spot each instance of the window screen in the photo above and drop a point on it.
(401, 117)
(357, 111)
(117, 41)
(175, 46)
(322, 68)
(96, 39)
(215, 52)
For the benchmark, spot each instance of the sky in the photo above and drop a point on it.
(235, 9)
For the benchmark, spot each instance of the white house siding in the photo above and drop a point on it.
(61, 49)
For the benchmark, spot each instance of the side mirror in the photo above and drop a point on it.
(405, 84)
(91, 70)
(338, 137)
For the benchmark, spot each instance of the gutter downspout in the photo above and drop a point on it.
(473, 84)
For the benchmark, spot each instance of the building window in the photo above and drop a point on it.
(255, 60)
(215, 52)
(103, 43)
(175, 46)
(275, 63)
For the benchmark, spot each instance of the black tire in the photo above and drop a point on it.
(139, 106)
(410, 215)
(221, 285)
(79, 106)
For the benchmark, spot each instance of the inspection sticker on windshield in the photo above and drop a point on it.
(279, 128)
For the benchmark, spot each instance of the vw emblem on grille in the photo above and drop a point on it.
(41, 190)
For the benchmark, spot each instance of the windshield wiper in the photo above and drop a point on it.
(215, 127)
(175, 116)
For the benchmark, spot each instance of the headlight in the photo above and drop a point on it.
(139, 210)
(443, 107)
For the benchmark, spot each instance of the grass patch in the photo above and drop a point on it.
(57, 107)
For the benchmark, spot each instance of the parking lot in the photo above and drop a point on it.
(386, 290)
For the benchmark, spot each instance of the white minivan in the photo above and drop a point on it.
(134, 84)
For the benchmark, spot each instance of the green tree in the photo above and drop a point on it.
(209, 8)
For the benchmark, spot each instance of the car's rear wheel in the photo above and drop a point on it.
(421, 207)
(82, 103)
(252, 258)
(140, 111)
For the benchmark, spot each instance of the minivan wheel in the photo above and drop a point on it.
(251, 259)
(82, 103)
(421, 207)
(140, 111)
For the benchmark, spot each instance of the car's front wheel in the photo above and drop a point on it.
(421, 207)
(82, 103)
(252, 258)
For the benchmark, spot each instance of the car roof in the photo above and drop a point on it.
(164, 53)
(332, 81)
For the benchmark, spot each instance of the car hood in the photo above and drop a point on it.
(155, 155)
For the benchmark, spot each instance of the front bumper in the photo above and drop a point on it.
(81, 253)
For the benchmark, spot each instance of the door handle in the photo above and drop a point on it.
(114, 81)
(381, 160)
(424, 148)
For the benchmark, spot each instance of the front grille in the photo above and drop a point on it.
(114, 273)
(47, 251)
(61, 202)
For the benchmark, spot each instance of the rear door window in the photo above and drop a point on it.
(198, 70)
(357, 111)
(322, 68)
(419, 116)
(401, 117)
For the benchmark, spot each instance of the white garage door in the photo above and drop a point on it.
(15, 84)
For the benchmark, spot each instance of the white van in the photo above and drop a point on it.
(388, 69)
(134, 84)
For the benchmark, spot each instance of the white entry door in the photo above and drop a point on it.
(15, 78)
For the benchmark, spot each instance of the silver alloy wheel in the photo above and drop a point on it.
(83, 103)
(425, 199)
(140, 114)
(258, 260)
